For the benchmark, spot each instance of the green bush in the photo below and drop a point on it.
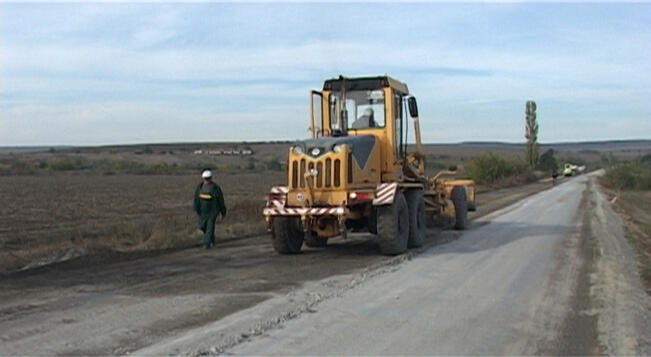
(69, 165)
(489, 168)
(250, 165)
(547, 162)
(634, 175)
(274, 165)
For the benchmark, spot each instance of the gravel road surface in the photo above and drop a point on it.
(518, 285)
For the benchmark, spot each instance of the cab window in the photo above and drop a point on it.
(365, 109)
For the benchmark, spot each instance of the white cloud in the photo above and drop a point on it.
(251, 63)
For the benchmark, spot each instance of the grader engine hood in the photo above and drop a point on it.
(322, 170)
(360, 146)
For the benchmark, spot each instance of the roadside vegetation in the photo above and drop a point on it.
(492, 171)
(629, 175)
(629, 183)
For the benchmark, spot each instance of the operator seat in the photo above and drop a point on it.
(365, 120)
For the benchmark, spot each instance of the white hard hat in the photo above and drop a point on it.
(206, 174)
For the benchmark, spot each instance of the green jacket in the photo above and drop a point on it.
(209, 200)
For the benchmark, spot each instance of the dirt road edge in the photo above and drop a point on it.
(623, 307)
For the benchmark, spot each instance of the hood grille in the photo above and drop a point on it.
(329, 173)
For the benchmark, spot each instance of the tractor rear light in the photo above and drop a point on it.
(360, 196)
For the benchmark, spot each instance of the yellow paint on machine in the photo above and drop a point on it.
(325, 173)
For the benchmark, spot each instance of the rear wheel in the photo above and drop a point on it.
(371, 220)
(287, 235)
(416, 208)
(460, 207)
(393, 226)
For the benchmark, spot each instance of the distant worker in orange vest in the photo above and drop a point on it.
(208, 203)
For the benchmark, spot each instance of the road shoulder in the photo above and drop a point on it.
(616, 290)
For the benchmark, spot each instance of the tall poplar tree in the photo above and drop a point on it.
(531, 133)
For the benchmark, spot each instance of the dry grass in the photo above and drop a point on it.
(635, 207)
(46, 217)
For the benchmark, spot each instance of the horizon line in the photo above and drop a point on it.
(290, 140)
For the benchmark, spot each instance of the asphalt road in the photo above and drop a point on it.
(514, 285)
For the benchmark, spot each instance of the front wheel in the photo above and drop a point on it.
(393, 226)
(416, 208)
(287, 236)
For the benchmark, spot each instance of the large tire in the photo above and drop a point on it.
(416, 208)
(460, 207)
(393, 226)
(314, 241)
(287, 235)
(371, 220)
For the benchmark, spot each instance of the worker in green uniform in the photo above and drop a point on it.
(208, 203)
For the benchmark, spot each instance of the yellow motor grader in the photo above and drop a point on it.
(356, 173)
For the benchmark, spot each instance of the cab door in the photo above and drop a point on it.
(400, 128)
(316, 114)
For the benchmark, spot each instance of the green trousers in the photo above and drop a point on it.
(207, 225)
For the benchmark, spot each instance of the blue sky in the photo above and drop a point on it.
(110, 73)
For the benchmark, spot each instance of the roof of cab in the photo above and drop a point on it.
(365, 83)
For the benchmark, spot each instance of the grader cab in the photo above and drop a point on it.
(357, 172)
